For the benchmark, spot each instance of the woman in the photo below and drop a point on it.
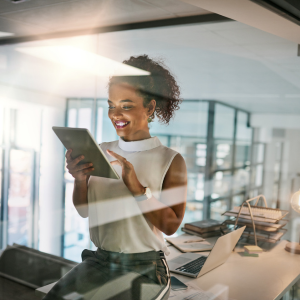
(127, 216)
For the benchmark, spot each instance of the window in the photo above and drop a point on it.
(19, 176)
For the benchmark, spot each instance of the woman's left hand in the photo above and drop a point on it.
(128, 174)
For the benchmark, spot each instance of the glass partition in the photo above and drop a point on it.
(216, 181)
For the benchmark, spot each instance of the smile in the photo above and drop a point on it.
(121, 124)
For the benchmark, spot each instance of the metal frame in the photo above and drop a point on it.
(279, 182)
(196, 19)
(279, 10)
(250, 211)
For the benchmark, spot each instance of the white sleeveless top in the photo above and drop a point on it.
(115, 220)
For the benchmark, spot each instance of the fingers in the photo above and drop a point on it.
(120, 158)
(75, 161)
(82, 167)
(68, 155)
(87, 170)
(115, 163)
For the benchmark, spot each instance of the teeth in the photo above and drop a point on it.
(121, 123)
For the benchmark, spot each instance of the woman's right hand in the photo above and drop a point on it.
(79, 172)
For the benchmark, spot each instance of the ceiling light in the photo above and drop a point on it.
(83, 60)
(3, 34)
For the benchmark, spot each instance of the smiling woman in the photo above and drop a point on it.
(128, 216)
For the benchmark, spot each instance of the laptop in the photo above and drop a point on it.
(196, 265)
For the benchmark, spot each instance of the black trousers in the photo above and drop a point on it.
(111, 275)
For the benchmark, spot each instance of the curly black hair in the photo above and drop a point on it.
(160, 85)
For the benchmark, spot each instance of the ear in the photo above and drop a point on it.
(151, 107)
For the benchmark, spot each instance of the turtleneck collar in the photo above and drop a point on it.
(141, 145)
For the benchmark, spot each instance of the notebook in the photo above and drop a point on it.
(190, 243)
(203, 226)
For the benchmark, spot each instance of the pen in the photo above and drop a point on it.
(194, 241)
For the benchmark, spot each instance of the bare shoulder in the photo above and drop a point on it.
(177, 173)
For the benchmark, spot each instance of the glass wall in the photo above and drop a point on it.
(90, 114)
(224, 166)
(19, 174)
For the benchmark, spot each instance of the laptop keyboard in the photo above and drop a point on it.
(194, 266)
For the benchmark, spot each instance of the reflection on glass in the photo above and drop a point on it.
(190, 120)
(222, 156)
(72, 117)
(278, 151)
(19, 196)
(259, 175)
(1, 124)
(217, 208)
(105, 130)
(80, 113)
(254, 193)
(191, 148)
(1, 158)
(224, 122)
(84, 118)
(99, 128)
(27, 128)
(274, 195)
(276, 171)
(243, 132)
(76, 228)
(201, 154)
(20, 161)
(241, 179)
(242, 154)
(198, 191)
(221, 184)
(237, 200)
(258, 153)
(18, 208)
(193, 212)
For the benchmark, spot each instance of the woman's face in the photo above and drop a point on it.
(127, 112)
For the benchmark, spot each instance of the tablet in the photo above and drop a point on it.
(81, 142)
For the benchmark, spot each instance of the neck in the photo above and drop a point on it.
(137, 136)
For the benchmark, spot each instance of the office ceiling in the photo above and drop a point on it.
(37, 17)
(229, 61)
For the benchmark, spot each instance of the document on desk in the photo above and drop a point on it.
(191, 243)
(191, 293)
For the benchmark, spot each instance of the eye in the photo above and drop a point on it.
(110, 107)
(127, 107)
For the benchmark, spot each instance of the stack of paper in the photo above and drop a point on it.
(268, 222)
(205, 228)
(190, 243)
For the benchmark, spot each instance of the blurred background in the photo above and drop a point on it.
(238, 127)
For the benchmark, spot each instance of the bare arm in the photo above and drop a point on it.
(79, 172)
(80, 199)
(168, 213)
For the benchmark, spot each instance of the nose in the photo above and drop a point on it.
(116, 113)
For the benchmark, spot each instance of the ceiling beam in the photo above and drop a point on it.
(254, 15)
(197, 19)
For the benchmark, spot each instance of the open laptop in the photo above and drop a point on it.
(196, 265)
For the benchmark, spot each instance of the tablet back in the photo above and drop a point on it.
(82, 143)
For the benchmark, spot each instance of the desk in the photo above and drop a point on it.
(267, 277)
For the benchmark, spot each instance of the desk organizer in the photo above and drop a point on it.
(262, 223)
